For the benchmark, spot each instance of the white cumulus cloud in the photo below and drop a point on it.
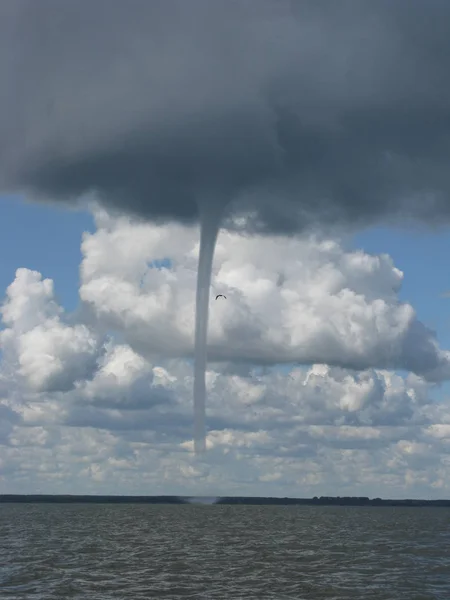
(304, 300)
(50, 354)
(303, 397)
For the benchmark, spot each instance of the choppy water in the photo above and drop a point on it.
(121, 552)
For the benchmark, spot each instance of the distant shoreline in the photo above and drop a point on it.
(230, 500)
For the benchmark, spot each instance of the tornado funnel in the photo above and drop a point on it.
(210, 217)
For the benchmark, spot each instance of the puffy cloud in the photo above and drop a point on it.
(273, 434)
(302, 300)
(50, 354)
(301, 110)
(82, 411)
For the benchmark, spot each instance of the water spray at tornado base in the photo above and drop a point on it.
(210, 215)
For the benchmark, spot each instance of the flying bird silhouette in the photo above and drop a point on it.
(221, 296)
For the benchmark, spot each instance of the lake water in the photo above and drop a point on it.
(141, 552)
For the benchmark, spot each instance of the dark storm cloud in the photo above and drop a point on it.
(301, 110)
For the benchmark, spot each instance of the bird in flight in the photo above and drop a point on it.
(221, 296)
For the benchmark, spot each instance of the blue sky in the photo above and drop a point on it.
(423, 258)
(43, 238)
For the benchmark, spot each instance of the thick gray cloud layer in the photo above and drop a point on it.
(338, 110)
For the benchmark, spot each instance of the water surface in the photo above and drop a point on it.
(141, 552)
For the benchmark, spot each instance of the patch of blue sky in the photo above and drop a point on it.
(43, 238)
(422, 255)
(160, 263)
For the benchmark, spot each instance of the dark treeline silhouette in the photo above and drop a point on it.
(68, 498)
(316, 501)
(333, 501)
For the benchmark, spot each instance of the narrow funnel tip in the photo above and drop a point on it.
(199, 446)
